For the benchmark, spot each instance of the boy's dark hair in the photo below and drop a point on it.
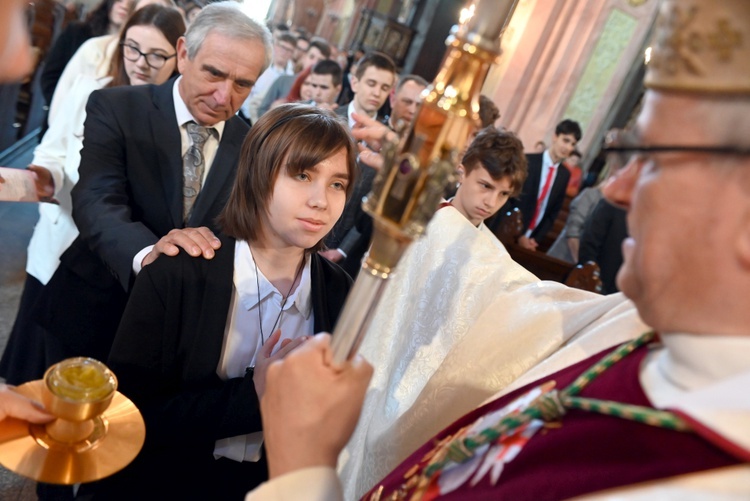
(294, 137)
(488, 111)
(321, 45)
(98, 19)
(288, 38)
(501, 153)
(568, 126)
(376, 59)
(329, 67)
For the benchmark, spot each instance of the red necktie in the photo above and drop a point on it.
(542, 196)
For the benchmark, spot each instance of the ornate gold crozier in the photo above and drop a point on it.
(408, 189)
(98, 431)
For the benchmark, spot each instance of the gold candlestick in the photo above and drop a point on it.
(409, 187)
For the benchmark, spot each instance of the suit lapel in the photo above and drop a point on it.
(221, 175)
(166, 139)
(560, 182)
(342, 111)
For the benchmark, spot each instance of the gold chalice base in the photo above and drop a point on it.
(116, 438)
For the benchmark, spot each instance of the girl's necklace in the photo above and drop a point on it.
(283, 301)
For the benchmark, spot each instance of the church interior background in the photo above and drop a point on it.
(581, 59)
(577, 59)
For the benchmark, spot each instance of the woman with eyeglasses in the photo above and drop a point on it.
(93, 58)
(145, 55)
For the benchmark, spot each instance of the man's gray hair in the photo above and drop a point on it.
(227, 19)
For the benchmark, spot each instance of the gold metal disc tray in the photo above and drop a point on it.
(116, 438)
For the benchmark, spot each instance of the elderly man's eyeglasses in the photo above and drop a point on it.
(621, 146)
(286, 48)
(154, 60)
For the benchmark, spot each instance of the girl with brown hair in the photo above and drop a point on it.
(197, 335)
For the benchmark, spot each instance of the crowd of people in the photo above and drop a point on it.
(200, 224)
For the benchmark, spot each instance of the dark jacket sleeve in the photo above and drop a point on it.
(165, 363)
(580, 207)
(594, 233)
(71, 38)
(101, 198)
(601, 242)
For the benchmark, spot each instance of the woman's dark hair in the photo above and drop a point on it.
(488, 111)
(295, 137)
(167, 20)
(98, 19)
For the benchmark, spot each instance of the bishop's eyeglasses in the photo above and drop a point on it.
(153, 59)
(622, 146)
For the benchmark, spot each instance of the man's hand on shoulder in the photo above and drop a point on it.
(195, 241)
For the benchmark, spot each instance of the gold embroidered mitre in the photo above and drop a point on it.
(701, 45)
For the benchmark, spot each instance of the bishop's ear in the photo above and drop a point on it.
(743, 239)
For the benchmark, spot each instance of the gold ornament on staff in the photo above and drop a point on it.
(98, 431)
(409, 187)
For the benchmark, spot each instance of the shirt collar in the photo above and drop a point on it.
(351, 110)
(247, 286)
(547, 159)
(692, 361)
(182, 113)
(706, 378)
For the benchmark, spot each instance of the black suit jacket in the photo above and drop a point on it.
(353, 208)
(70, 40)
(601, 241)
(530, 193)
(129, 195)
(343, 110)
(165, 355)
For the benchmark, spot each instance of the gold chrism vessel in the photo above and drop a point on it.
(98, 431)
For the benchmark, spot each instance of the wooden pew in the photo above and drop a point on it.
(582, 276)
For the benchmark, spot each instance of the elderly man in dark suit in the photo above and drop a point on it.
(154, 159)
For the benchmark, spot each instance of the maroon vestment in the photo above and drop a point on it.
(590, 452)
